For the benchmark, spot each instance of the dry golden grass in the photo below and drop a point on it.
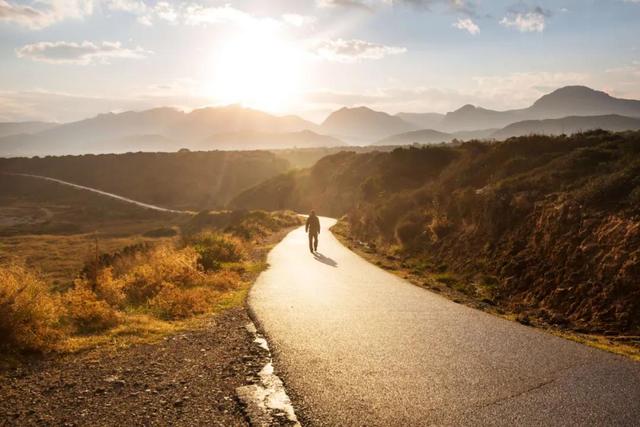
(138, 293)
(29, 314)
(59, 258)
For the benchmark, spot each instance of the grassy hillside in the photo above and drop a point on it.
(183, 180)
(543, 227)
(79, 270)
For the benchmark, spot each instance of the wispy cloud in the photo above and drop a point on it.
(468, 25)
(137, 7)
(467, 7)
(195, 14)
(341, 50)
(298, 20)
(42, 14)
(531, 20)
(348, 4)
(78, 53)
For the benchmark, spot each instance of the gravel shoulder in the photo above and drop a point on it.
(187, 379)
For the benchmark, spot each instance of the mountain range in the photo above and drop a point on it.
(565, 110)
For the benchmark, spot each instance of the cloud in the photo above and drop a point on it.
(468, 25)
(145, 20)
(348, 4)
(533, 20)
(298, 20)
(354, 50)
(137, 7)
(197, 15)
(166, 12)
(44, 13)
(467, 7)
(78, 53)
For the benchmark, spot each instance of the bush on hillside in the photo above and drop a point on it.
(173, 303)
(214, 248)
(29, 315)
(85, 313)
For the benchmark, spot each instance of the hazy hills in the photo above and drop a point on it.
(563, 102)
(425, 136)
(18, 128)
(363, 125)
(568, 125)
(565, 125)
(236, 128)
(422, 120)
(264, 140)
(167, 129)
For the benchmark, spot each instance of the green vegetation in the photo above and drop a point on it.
(544, 227)
(212, 177)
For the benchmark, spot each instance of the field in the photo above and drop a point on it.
(82, 270)
(55, 229)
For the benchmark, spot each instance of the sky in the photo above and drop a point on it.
(65, 60)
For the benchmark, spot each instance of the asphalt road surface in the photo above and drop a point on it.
(357, 346)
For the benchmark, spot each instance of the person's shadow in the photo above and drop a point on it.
(325, 260)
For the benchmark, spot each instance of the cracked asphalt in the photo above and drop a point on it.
(357, 346)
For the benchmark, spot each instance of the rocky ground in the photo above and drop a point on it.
(187, 379)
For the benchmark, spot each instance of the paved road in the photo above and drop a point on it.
(358, 346)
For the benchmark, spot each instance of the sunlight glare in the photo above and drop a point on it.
(256, 69)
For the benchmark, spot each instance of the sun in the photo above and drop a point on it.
(257, 69)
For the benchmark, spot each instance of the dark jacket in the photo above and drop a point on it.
(313, 225)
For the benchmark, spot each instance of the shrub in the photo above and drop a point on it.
(214, 248)
(29, 316)
(410, 230)
(175, 303)
(86, 313)
(446, 279)
(162, 264)
(141, 284)
(224, 280)
(108, 288)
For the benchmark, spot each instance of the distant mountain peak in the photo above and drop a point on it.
(576, 89)
(572, 94)
(465, 108)
(362, 124)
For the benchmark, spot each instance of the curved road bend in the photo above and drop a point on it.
(358, 346)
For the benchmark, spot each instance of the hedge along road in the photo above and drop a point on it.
(356, 345)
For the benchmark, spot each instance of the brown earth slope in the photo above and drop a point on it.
(540, 226)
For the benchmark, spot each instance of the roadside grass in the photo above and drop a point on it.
(605, 343)
(138, 293)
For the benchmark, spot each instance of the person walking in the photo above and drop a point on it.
(313, 228)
